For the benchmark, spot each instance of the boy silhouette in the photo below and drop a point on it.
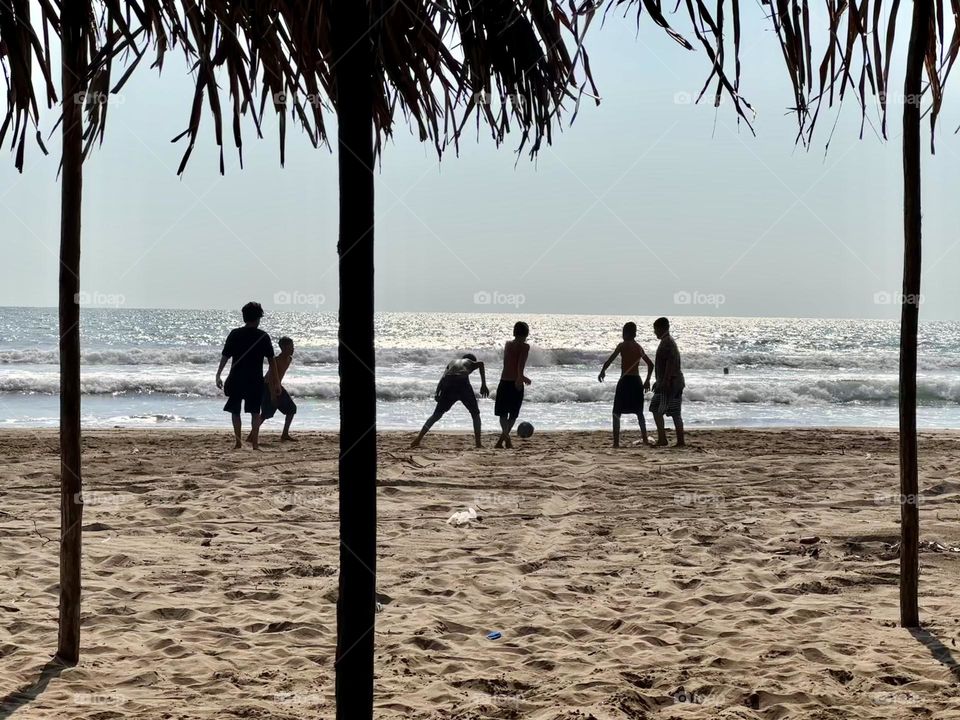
(510, 390)
(454, 387)
(247, 346)
(629, 394)
(284, 403)
(668, 390)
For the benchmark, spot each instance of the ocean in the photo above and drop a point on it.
(156, 368)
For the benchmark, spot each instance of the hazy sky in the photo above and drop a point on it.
(647, 205)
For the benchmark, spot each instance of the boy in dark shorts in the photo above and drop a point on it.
(285, 404)
(629, 396)
(510, 390)
(455, 387)
(668, 390)
(248, 346)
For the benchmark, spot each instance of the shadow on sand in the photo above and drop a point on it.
(939, 651)
(15, 700)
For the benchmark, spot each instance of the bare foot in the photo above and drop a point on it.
(238, 446)
(414, 444)
(288, 438)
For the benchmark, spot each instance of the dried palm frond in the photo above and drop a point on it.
(858, 44)
(20, 48)
(507, 63)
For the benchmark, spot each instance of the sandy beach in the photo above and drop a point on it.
(637, 583)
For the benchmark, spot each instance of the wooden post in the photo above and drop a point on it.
(909, 317)
(73, 83)
(356, 606)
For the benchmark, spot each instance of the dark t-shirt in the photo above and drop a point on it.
(248, 347)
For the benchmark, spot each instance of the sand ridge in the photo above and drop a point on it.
(631, 583)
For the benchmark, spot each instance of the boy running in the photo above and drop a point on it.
(285, 403)
(454, 387)
(629, 396)
(510, 390)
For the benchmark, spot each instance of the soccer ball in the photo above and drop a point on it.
(524, 430)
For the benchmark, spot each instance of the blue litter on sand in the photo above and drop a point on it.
(493, 635)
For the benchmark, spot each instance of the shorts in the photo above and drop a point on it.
(666, 403)
(285, 403)
(454, 389)
(509, 399)
(629, 396)
(248, 391)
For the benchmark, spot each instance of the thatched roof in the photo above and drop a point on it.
(443, 64)
(506, 64)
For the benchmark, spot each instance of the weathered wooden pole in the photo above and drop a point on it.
(909, 316)
(73, 84)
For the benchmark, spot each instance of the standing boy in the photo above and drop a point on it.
(248, 346)
(510, 390)
(668, 390)
(629, 396)
(284, 403)
(455, 386)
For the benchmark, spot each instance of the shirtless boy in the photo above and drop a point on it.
(454, 387)
(629, 395)
(284, 403)
(510, 390)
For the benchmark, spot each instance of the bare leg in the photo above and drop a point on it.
(678, 425)
(616, 430)
(426, 427)
(643, 428)
(285, 437)
(506, 425)
(661, 432)
(476, 430)
(254, 438)
(237, 428)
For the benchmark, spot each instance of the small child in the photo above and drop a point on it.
(629, 395)
(510, 390)
(284, 403)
